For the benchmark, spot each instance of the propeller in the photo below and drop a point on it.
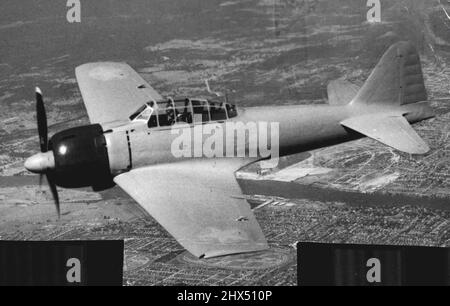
(41, 121)
(47, 158)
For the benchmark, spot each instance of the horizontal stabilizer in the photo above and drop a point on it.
(391, 129)
(341, 92)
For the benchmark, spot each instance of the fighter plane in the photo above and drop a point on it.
(197, 199)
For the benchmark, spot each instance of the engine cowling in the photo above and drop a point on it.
(81, 158)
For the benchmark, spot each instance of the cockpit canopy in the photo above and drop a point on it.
(172, 111)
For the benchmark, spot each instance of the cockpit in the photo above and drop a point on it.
(172, 111)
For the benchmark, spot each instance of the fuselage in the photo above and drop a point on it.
(300, 128)
(93, 155)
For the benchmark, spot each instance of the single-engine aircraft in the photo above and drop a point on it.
(198, 200)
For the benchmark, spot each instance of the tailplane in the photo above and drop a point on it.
(396, 80)
(390, 129)
(341, 92)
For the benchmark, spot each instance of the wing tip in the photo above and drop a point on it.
(424, 149)
(236, 250)
(91, 65)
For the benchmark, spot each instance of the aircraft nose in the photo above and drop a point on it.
(40, 162)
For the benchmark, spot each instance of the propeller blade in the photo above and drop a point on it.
(40, 180)
(43, 142)
(54, 191)
(41, 121)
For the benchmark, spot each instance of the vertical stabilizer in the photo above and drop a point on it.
(397, 79)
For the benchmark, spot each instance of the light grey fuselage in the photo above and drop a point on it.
(301, 128)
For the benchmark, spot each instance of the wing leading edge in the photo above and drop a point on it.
(390, 129)
(112, 91)
(199, 203)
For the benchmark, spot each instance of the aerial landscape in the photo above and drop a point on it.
(258, 52)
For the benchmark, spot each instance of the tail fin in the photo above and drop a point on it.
(396, 80)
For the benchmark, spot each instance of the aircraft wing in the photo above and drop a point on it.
(112, 91)
(199, 203)
(341, 92)
(391, 129)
